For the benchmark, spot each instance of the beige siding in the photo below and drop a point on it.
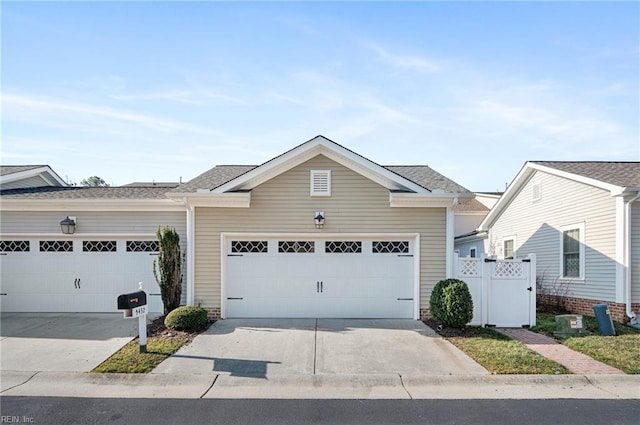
(536, 226)
(92, 221)
(283, 204)
(635, 252)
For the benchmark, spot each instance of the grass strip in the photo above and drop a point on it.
(620, 351)
(500, 354)
(129, 359)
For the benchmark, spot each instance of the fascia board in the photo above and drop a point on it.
(211, 199)
(310, 149)
(90, 205)
(422, 200)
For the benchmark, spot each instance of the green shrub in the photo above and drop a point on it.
(451, 303)
(186, 318)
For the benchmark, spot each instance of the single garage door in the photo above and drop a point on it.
(313, 277)
(75, 275)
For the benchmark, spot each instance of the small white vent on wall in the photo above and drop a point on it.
(536, 191)
(320, 182)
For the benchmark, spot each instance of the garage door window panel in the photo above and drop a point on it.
(343, 247)
(142, 246)
(56, 246)
(390, 247)
(297, 247)
(247, 247)
(99, 246)
(14, 246)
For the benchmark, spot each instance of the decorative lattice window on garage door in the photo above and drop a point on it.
(343, 247)
(14, 246)
(303, 247)
(56, 246)
(142, 246)
(390, 247)
(99, 246)
(244, 247)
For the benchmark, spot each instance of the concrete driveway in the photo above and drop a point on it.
(259, 348)
(69, 342)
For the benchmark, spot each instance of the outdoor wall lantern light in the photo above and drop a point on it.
(68, 225)
(319, 219)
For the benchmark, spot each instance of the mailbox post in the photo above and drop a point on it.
(135, 305)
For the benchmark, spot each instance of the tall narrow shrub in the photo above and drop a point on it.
(167, 268)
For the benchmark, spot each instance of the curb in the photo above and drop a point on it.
(390, 386)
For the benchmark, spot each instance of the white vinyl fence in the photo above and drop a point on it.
(503, 291)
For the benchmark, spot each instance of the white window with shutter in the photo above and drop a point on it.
(320, 182)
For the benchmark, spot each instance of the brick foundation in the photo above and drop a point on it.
(425, 314)
(213, 313)
(585, 306)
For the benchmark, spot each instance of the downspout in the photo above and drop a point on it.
(190, 253)
(449, 245)
(627, 279)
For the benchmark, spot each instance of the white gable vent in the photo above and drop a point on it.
(320, 182)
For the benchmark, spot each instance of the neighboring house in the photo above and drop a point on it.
(112, 249)
(468, 216)
(318, 231)
(582, 220)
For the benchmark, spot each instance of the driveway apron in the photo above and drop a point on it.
(61, 342)
(259, 348)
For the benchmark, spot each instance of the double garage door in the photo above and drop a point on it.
(75, 275)
(289, 276)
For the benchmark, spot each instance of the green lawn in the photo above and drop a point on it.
(621, 351)
(500, 354)
(129, 359)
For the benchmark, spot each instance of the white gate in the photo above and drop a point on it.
(503, 291)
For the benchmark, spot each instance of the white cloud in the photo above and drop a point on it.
(405, 62)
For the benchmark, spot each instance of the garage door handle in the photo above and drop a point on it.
(233, 298)
(318, 286)
(234, 255)
(405, 255)
(321, 286)
(405, 299)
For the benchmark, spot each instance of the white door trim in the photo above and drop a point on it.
(225, 236)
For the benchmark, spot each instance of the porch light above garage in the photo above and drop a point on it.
(319, 219)
(68, 225)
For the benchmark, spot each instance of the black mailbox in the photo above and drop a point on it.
(132, 300)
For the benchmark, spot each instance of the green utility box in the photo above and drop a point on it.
(568, 325)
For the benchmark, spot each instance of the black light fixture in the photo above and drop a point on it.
(68, 225)
(319, 219)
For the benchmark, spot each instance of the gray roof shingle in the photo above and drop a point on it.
(617, 173)
(86, 193)
(11, 169)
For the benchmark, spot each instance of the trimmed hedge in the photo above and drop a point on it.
(186, 318)
(451, 303)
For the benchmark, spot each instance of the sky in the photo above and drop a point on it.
(163, 91)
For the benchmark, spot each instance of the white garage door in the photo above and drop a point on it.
(311, 277)
(75, 275)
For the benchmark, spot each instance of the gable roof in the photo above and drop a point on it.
(16, 176)
(622, 174)
(617, 177)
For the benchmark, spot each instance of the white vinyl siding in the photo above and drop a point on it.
(537, 228)
(635, 252)
(283, 205)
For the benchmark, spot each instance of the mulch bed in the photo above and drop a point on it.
(467, 332)
(157, 328)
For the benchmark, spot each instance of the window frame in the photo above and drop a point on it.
(513, 240)
(581, 251)
(473, 252)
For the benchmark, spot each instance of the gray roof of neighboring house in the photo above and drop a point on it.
(169, 185)
(422, 175)
(617, 173)
(10, 169)
(471, 205)
(86, 193)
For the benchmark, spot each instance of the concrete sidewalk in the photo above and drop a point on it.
(389, 386)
